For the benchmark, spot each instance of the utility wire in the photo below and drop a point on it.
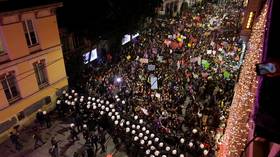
(51, 63)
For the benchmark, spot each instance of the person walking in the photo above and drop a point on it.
(47, 119)
(89, 150)
(15, 140)
(40, 117)
(102, 140)
(73, 133)
(38, 141)
(53, 151)
(94, 141)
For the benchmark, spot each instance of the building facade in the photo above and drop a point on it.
(73, 42)
(253, 8)
(32, 71)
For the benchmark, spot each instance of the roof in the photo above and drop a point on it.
(9, 6)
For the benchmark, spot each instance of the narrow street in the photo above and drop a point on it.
(60, 131)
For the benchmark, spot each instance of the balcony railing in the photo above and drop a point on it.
(14, 100)
(43, 85)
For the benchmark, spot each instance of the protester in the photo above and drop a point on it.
(40, 118)
(54, 150)
(73, 133)
(102, 140)
(15, 140)
(47, 119)
(177, 77)
(38, 141)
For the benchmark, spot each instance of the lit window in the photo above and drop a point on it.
(250, 20)
(41, 73)
(29, 32)
(9, 85)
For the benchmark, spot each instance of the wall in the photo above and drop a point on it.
(22, 59)
(56, 68)
(47, 31)
(24, 103)
(13, 35)
(26, 80)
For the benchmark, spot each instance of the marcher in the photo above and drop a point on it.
(54, 150)
(38, 141)
(73, 134)
(47, 119)
(195, 60)
(102, 140)
(15, 140)
(40, 118)
(94, 141)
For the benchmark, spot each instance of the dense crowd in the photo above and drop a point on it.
(171, 91)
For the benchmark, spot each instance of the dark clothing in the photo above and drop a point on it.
(54, 152)
(47, 120)
(89, 150)
(102, 140)
(94, 141)
(40, 118)
(15, 140)
(74, 134)
(37, 140)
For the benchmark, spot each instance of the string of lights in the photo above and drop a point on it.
(237, 130)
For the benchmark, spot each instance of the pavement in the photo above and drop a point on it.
(60, 131)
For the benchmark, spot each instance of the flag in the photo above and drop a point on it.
(154, 84)
(144, 60)
(145, 111)
(205, 64)
(226, 74)
(151, 67)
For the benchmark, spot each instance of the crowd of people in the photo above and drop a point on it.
(43, 120)
(171, 90)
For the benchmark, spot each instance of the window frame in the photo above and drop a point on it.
(8, 79)
(27, 30)
(2, 49)
(41, 73)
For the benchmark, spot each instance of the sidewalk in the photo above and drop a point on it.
(58, 130)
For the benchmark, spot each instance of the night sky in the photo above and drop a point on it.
(95, 17)
(103, 17)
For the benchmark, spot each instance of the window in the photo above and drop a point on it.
(41, 73)
(1, 47)
(29, 32)
(10, 87)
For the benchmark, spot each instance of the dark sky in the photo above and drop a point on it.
(95, 16)
(101, 16)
